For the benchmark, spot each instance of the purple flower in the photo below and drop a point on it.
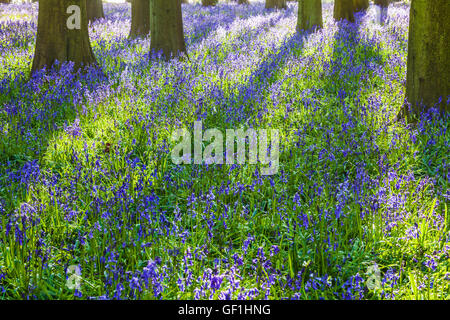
(74, 130)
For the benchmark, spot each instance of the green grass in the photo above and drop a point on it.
(111, 199)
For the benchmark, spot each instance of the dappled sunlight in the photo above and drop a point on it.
(87, 178)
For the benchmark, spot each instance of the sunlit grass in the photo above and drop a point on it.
(353, 190)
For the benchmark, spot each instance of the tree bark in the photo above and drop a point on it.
(343, 9)
(166, 24)
(207, 3)
(309, 14)
(381, 3)
(140, 19)
(276, 4)
(55, 41)
(360, 5)
(94, 10)
(382, 10)
(243, 2)
(428, 75)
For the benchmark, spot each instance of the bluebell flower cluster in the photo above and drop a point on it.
(86, 178)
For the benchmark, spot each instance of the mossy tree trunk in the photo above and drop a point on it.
(343, 9)
(309, 14)
(243, 2)
(360, 5)
(140, 19)
(55, 41)
(166, 24)
(207, 3)
(276, 4)
(428, 75)
(382, 10)
(94, 10)
(381, 3)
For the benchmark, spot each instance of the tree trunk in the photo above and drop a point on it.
(5, 1)
(207, 3)
(94, 10)
(428, 75)
(343, 9)
(55, 41)
(360, 5)
(140, 19)
(276, 4)
(166, 24)
(382, 10)
(381, 3)
(243, 2)
(309, 14)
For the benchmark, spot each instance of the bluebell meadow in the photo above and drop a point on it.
(86, 177)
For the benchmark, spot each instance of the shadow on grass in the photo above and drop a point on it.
(241, 102)
(33, 109)
(222, 15)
